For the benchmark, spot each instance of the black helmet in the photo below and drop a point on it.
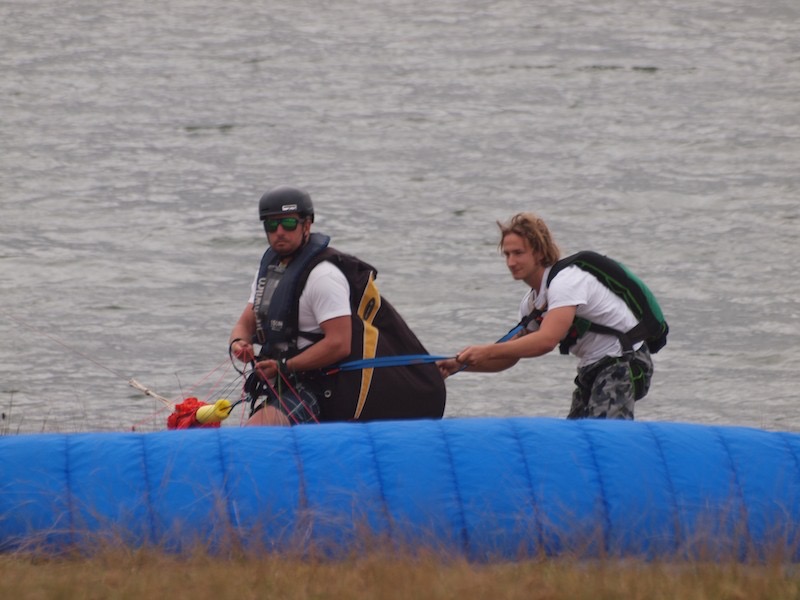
(285, 199)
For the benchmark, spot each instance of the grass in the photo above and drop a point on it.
(123, 574)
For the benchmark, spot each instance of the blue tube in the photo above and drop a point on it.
(481, 488)
(389, 361)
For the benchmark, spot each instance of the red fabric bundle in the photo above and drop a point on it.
(185, 415)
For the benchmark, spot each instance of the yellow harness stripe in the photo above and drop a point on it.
(367, 309)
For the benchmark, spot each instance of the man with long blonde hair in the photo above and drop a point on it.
(610, 379)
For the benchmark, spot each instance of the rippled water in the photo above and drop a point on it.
(137, 137)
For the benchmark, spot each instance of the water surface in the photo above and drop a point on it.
(137, 138)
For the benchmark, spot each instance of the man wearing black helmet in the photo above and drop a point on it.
(301, 314)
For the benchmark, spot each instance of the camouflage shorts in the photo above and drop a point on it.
(609, 388)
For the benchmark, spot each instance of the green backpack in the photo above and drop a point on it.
(652, 327)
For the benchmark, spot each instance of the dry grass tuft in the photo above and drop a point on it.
(137, 574)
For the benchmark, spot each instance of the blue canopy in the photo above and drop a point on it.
(481, 488)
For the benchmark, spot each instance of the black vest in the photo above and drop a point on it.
(278, 294)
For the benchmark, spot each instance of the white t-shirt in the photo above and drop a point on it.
(325, 296)
(573, 286)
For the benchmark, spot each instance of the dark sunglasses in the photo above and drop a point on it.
(288, 223)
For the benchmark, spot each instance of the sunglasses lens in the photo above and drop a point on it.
(288, 223)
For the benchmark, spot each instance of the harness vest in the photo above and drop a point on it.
(277, 294)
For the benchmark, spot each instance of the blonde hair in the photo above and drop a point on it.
(533, 229)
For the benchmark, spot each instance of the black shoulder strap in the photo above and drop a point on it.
(558, 266)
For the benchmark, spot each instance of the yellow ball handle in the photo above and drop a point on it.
(214, 413)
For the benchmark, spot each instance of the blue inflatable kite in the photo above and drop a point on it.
(486, 489)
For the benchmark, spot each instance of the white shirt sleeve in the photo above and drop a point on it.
(253, 287)
(325, 296)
